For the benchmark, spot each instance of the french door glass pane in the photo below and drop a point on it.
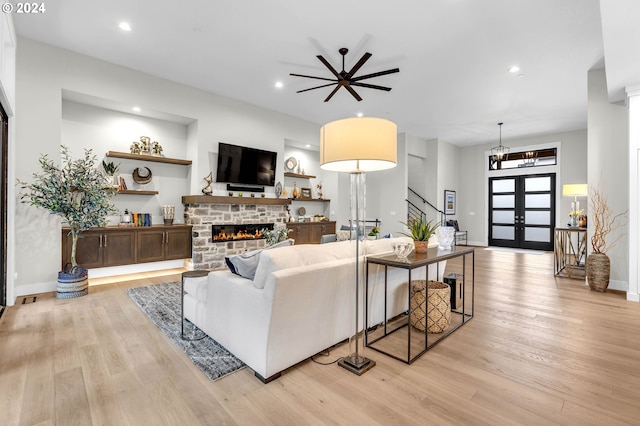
(504, 232)
(504, 201)
(537, 201)
(537, 184)
(537, 217)
(504, 185)
(504, 216)
(537, 234)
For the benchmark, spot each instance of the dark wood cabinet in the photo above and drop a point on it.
(165, 244)
(100, 247)
(310, 232)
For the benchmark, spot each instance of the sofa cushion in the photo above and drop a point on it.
(245, 264)
(311, 254)
(300, 255)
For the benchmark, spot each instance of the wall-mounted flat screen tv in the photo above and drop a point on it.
(249, 166)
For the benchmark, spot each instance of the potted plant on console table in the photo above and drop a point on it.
(421, 232)
(80, 193)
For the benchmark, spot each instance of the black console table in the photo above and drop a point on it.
(395, 337)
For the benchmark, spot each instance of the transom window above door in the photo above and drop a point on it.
(515, 160)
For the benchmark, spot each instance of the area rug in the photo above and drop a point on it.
(161, 303)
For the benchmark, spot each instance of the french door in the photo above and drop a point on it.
(522, 211)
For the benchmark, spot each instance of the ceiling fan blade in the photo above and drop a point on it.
(333, 92)
(353, 92)
(376, 74)
(331, 68)
(357, 66)
(311, 76)
(316, 87)
(371, 86)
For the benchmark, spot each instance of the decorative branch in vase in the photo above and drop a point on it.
(604, 223)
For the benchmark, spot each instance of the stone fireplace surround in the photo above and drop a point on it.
(204, 211)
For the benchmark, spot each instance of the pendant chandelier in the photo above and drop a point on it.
(500, 152)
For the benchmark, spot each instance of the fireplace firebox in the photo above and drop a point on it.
(245, 231)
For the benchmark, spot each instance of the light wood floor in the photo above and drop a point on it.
(540, 351)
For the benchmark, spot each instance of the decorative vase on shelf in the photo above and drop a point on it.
(295, 193)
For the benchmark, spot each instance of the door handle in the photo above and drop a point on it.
(100, 240)
(105, 241)
(167, 240)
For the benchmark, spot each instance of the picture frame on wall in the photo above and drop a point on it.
(449, 202)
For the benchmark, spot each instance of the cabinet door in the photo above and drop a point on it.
(88, 249)
(328, 228)
(316, 233)
(150, 246)
(177, 244)
(118, 248)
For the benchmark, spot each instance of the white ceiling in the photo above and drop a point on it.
(453, 56)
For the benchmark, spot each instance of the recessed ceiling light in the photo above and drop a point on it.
(360, 114)
(136, 109)
(124, 26)
(514, 69)
(279, 85)
(307, 146)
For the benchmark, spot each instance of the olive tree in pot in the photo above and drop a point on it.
(80, 193)
(604, 222)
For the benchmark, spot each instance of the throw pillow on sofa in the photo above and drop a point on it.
(245, 264)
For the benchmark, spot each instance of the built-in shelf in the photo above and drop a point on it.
(145, 157)
(211, 199)
(321, 200)
(137, 192)
(296, 175)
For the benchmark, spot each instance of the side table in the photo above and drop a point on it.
(570, 252)
(201, 334)
(395, 336)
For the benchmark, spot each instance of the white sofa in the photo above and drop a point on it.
(300, 302)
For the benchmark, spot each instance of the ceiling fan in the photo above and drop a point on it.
(347, 79)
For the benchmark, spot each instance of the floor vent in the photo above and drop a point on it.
(29, 299)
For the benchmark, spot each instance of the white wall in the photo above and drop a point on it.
(44, 72)
(89, 127)
(448, 170)
(8, 99)
(387, 193)
(472, 165)
(609, 167)
(633, 101)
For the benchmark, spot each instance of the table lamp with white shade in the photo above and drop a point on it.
(575, 190)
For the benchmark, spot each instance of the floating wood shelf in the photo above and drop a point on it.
(137, 192)
(209, 199)
(296, 175)
(145, 157)
(320, 200)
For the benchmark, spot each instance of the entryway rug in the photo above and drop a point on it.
(161, 303)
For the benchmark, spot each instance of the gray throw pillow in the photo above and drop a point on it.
(245, 264)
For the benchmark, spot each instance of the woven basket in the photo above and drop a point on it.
(598, 271)
(72, 282)
(433, 314)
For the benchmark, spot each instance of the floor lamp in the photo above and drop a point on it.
(356, 146)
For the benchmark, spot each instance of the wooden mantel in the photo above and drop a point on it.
(209, 199)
